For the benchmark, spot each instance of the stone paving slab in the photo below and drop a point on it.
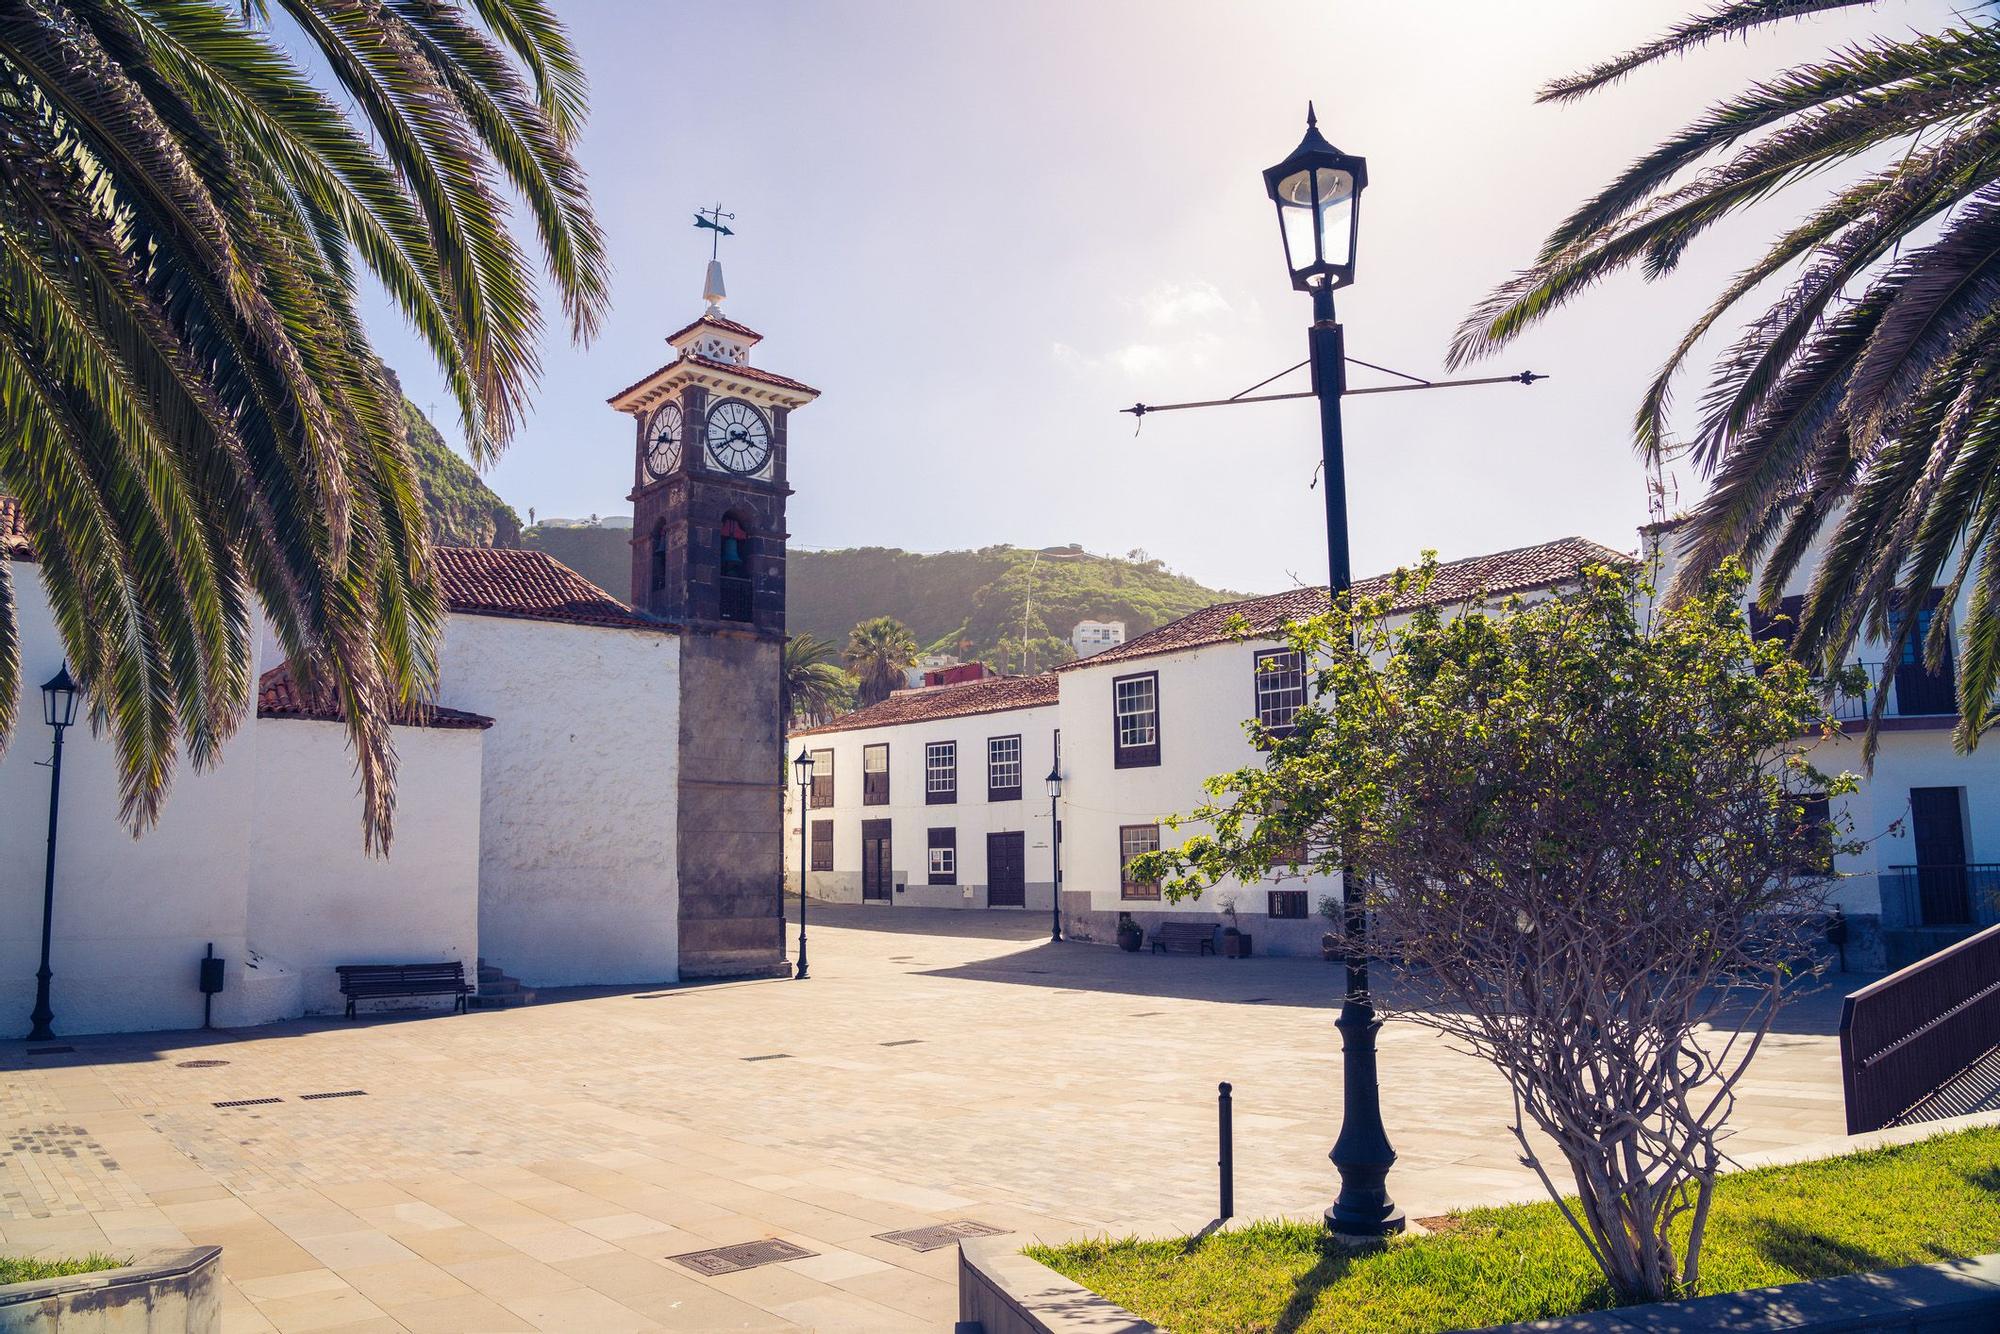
(536, 1168)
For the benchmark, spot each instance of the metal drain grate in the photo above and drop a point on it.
(50, 1051)
(774, 1056)
(743, 1255)
(900, 1042)
(939, 1236)
(337, 1093)
(198, 1065)
(248, 1102)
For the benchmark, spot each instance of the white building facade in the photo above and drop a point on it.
(937, 798)
(1093, 637)
(1143, 724)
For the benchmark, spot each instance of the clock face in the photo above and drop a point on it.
(663, 440)
(739, 439)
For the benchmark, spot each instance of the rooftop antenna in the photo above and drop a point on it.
(712, 290)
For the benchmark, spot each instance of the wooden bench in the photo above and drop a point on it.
(373, 981)
(1184, 938)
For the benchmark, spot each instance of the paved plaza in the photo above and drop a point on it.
(535, 1168)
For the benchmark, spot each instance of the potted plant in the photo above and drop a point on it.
(1332, 945)
(1235, 940)
(1129, 935)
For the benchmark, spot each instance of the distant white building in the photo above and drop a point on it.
(1093, 637)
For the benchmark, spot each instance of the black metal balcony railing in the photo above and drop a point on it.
(1960, 895)
(1915, 692)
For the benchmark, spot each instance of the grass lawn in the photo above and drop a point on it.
(1934, 1200)
(24, 1271)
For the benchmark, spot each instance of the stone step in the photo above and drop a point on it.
(510, 999)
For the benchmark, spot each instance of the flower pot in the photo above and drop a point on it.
(1332, 948)
(1129, 938)
(1235, 944)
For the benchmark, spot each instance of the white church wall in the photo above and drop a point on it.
(132, 916)
(317, 900)
(577, 880)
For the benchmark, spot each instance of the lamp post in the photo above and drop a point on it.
(1317, 190)
(803, 767)
(58, 711)
(1055, 857)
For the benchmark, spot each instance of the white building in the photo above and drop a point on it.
(933, 798)
(595, 798)
(1142, 724)
(1092, 637)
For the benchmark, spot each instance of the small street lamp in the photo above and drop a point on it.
(59, 712)
(803, 767)
(1055, 858)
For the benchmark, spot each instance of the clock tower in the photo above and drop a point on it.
(708, 555)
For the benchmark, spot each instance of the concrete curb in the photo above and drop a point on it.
(1001, 1291)
(1956, 1297)
(161, 1292)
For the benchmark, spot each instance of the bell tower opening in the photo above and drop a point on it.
(735, 600)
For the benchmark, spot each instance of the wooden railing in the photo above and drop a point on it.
(1908, 1035)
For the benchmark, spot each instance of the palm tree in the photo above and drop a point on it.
(1863, 402)
(877, 652)
(191, 418)
(813, 687)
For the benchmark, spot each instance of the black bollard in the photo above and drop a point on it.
(1226, 1162)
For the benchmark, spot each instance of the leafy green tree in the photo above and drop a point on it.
(813, 687)
(878, 651)
(1586, 847)
(1866, 396)
(191, 417)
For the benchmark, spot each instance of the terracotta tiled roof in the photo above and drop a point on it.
(751, 373)
(531, 585)
(14, 531)
(710, 363)
(279, 696)
(993, 695)
(1497, 574)
(721, 322)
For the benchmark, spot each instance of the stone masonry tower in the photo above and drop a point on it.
(708, 554)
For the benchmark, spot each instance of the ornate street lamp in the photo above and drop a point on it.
(1055, 858)
(803, 767)
(59, 712)
(1317, 191)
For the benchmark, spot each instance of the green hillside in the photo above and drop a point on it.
(965, 602)
(464, 511)
(971, 602)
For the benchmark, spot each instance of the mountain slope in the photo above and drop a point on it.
(972, 603)
(464, 511)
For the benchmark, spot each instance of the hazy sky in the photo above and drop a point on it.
(982, 229)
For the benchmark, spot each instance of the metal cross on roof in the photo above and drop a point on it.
(711, 218)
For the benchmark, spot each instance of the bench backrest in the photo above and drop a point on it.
(402, 972)
(1190, 930)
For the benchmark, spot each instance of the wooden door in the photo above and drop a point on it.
(1937, 827)
(1006, 871)
(878, 875)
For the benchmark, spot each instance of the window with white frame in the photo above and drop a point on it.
(1281, 688)
(875, 775)
(1134, 839)
(1135, 704)
(821, 795)
(940, 772)
(944, 857)
(1003, 768)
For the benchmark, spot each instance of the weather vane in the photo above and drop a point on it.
(711, 218)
